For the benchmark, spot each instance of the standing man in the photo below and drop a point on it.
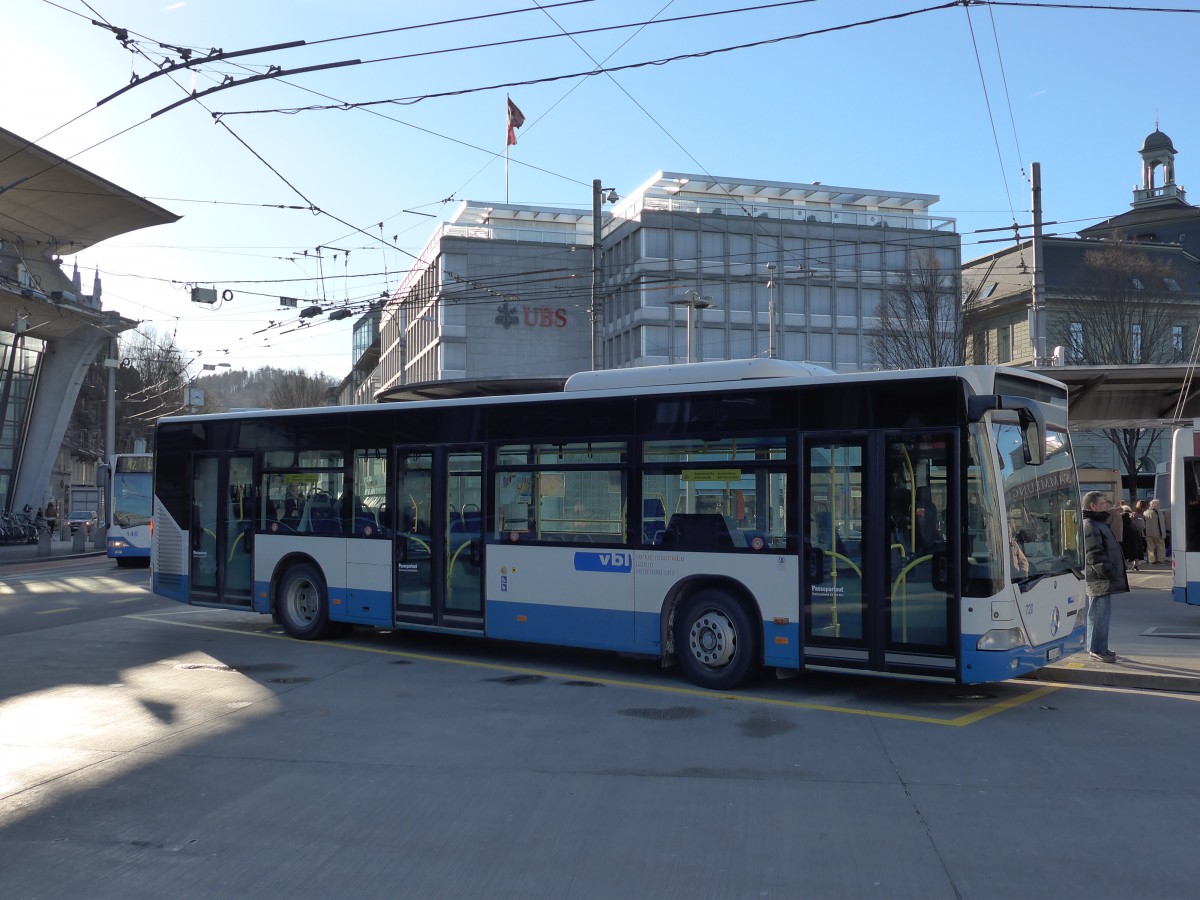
(1104, 573)
(1156, 534)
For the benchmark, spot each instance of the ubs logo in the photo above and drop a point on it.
(533, 316)
(506, 316)
(603, 561)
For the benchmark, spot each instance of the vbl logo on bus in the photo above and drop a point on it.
(606, 561)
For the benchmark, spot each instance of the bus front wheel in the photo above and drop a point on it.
(302, 605)
(715, 640)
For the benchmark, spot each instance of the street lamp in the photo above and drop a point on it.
(693, 300)
(599, 196)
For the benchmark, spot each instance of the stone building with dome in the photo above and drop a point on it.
(1157, 299)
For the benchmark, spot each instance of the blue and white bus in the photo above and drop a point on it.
(1184, 513)
(725, 516)
(130, 508)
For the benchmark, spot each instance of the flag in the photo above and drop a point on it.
(516, 119)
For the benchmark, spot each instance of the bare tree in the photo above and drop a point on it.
(296, 389)
(150, 384)
(1121, 311)
(921, 317)
(150, 380)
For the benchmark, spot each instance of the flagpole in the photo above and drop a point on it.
(508, 121)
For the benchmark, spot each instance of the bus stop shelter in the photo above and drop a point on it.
(1128, 396)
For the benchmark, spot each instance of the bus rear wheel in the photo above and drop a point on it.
(715, 641)
(302, 604)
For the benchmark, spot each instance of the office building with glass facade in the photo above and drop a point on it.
(502, 294)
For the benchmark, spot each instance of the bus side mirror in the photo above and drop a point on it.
(1029, 415)
(1033, 436)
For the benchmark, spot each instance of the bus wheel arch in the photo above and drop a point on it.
(300, 599)
(713, 627)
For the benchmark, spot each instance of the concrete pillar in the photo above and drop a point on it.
(79, 539)
(43, 543)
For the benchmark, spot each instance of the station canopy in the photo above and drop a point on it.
(1128, 396)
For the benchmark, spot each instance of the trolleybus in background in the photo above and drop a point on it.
(1185, 513)
(727, 516)
(130, 508)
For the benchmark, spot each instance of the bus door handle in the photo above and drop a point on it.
(940, 564)
(814, 560)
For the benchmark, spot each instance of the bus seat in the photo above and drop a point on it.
(698, 531)
(319, 517)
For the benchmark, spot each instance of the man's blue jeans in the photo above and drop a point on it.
(1099, 612)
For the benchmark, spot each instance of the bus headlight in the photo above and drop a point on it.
(1003, 639)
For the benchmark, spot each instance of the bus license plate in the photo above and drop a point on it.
(1053, 653)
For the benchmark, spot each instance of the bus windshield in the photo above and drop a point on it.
(1042, 505)
(132, 499)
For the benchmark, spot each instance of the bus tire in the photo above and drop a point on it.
(715, 640)
(302, 604)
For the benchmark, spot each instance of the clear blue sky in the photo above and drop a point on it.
(900, 104)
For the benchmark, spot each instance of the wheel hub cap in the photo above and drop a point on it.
(712, 639)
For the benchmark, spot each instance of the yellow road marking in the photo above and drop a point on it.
(959, 721)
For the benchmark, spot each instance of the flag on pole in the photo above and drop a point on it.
(516, 119)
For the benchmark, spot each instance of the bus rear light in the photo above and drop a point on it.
(1003, 639)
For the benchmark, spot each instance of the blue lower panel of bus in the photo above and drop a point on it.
(781, 645)
(979, 666)
(1189, 594)
(600, 629)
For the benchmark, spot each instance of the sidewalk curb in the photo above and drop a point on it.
(1117, 677)
(54, 557)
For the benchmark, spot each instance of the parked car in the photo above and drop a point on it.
(80, 518)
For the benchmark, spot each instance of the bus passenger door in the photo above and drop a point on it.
(222, 529)
(438, 536)
(834, 606)
(920, 607)
(879, 511)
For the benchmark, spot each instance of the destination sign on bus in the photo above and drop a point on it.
(711, 475)
(134, 464)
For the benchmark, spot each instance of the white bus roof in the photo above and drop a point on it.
(719, 371)
(739, 374)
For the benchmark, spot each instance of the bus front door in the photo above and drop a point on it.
(438, 539)
(879, 510)
(222, 530)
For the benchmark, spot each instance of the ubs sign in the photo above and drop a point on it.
(530, 316)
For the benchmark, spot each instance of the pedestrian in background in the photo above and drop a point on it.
(1114, 519)
(1156, 534)
(1139, 522)
(1104, 574)
(1131, 537)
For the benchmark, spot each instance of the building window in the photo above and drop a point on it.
(1136, 342)
(1171, 283)
(1177, 343)
(818, 300)
(979, 349)
(655, 243)
(1004, 344)
(1075, 349)
(1137, 284)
